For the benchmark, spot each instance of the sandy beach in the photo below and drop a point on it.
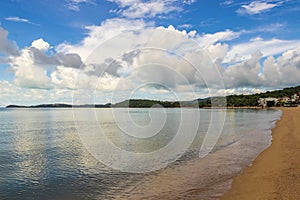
(275, 174)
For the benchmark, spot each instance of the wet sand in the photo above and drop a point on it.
(275, 174)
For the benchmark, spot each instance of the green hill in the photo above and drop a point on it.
(232, 100)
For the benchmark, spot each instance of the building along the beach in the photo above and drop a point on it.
(268, 102)
(286, 101)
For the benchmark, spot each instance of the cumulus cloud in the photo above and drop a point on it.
(166, 56)
(242, 51)
(121, 56)
(68, 60)
(40, 44)
(244, 74)
(65, 77)
(279, 72)
(97, 35)
(33, 65)
(6, 46)
(118, 60)
(27, 73)
(222, 36)
(282, 71)
(147, 55)
(13, 94)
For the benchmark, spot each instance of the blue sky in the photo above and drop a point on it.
(54, 21)
(253, 44)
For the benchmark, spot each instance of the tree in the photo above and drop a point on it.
(270, 103)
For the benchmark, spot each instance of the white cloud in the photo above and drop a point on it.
(237, 91)
(122, 51)
(120, 62)
(269, 28)
(242, 51)
(125, 3)
(256, 39)
(120, 55)
(283, 71)
(148, 9)
(218, 51)
(70, 78)
(280, 72)
(126, 54)
(13, 94)
(252, 76)
(256, 7)
(40, 44)
(6, 46)
(189, 2)
(19, 19)
(185, 26)
(244, 74)
(222, 36)
(27, 73)
(97, 35)
(75, 4)
(32, 64)
(64, 77)
(227, 2)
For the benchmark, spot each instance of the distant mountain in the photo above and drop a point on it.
(232, 101)
(58, 105)
(145, 103)
(42, 106)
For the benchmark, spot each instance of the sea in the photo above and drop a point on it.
(136, 153)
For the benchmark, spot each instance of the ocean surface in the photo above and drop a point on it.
(52, 153)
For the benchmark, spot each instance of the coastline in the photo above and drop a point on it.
(197, 178)
(209, 177)
(275, 173)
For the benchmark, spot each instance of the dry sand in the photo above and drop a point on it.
(275, 174)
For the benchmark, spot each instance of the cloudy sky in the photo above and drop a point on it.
(99, 51)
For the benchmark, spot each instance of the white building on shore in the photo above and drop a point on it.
(264, 101)
(282, 101)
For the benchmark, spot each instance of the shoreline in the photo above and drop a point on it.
(84, 106)
(204, 178)
(275, 173)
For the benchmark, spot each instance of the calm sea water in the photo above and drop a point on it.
(43, 157)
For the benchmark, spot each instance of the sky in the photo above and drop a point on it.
(101, 51)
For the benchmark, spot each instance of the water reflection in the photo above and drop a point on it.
(42, 157)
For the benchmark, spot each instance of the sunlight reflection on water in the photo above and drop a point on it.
(42, 157)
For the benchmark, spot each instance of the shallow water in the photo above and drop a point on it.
(42, 155)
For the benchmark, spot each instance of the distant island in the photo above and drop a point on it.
(285, 97)
(61, 105)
